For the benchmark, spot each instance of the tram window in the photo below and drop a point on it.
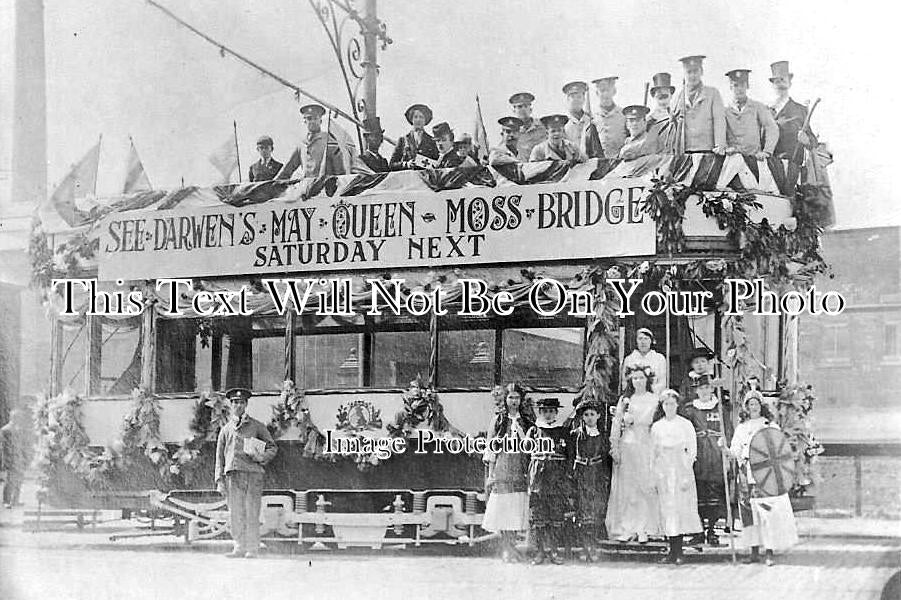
(73, 339)
(120, 356)
(466, 358)
(268, 362)
(329, 361)
(183, 358)
(398, 357)
(538, 357)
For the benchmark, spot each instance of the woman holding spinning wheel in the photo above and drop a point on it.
(765, 474)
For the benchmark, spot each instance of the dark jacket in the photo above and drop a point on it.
(259, 172)
(407, 149)
(790, 119)
(376, 162)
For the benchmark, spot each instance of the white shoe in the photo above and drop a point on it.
(642, 538)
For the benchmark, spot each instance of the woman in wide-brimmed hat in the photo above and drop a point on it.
(415, 142)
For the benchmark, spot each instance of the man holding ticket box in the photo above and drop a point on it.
(243, 448)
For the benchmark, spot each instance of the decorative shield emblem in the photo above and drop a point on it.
(772, 461)
(357, 416)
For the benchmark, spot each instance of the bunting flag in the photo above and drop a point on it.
(80, 183)
(136, 179)
(225, 159)
(480, 135)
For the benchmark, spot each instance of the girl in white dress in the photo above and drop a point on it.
(767, 521)
(632, 511)
(675, 449)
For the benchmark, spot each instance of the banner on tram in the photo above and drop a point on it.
(478, 225)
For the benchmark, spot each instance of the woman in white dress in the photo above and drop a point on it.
(507, 509)
(632, 511)
(767, 521)
(675, 449)
(645, 355)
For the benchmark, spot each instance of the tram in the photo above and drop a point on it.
(137, 397)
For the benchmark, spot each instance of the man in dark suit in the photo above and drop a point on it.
(373, 136)
(267, 167)
(789, 114)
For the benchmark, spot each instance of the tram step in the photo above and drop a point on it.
(55, 519)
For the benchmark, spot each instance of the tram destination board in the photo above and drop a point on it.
(545, 222)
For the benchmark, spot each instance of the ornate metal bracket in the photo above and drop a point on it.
(348, 45)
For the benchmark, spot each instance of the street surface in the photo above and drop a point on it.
(87, 566)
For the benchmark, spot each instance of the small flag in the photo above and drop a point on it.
(480, 138)
(225, 159)
(136, 179)
(80, 183)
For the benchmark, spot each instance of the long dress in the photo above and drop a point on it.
(767, 521)
(708, 467)
(674, 454)
(550, 476)
(591, 475)
(507, 508)
(632, 508)
(652, 359)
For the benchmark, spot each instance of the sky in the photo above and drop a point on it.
(120, 68)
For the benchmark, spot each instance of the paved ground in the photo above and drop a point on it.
(87, 566)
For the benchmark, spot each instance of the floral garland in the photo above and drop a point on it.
(795, 419)
(68, 260)
(61, 437)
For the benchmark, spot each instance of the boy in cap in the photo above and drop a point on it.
(314, 149)
(556, 147)
(267, 167)
(243, 448)
(640, 142)
(699, 109)
(747, 119)
(608, 118)
(790, 115)
(591, 476)
(373, 136)
(531, 132)
(550, 481)
(448, 157)
(507, 153)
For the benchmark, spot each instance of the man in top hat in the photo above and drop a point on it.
(507, 153)
(750, 126)
(608, 118)
(373, 136)
(579, 124)
(448, 157)
(531, 132)
(416, 148)
(315, 149)
(243, 449)
(641, 142)
(550, 480)
(660, 122)
(699, 108)
(790, 115)
(556, 147)
(267, 167)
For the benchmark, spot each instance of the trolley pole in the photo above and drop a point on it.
(370, 58)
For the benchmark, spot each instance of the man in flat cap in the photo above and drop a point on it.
(660, 121)
(267, 167)
(532, 132)
(700, 111)
(243, 449)
(790, 115)
(641, 142)
(507, 153)
(556, 147)
(579, 124)
(608, 118)
(373, 136)
(448, 157)
(314, 149)
(750, 126)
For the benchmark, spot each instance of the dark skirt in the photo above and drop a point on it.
(593, 487)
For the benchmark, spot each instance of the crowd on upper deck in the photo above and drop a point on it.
(697, 120)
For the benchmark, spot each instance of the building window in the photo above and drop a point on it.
(543, 357)
(890, 341)
(836, 342)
